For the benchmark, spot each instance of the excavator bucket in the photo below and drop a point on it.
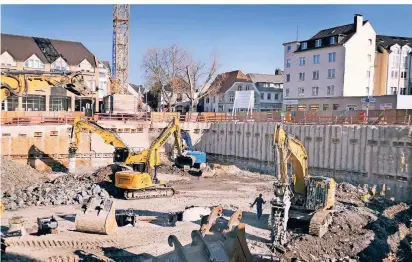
(218, 240)
(97, 216)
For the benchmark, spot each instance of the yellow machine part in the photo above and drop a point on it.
(133, 180)
(97, 216)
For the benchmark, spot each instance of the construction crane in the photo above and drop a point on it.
(120, 49)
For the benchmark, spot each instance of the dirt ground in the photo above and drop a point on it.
(377, 232)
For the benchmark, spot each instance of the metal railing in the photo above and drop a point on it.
(374, 117)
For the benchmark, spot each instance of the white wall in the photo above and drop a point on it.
(357, 50)
(7, 59)
(308, 69)
(397, 53)
(404, 102)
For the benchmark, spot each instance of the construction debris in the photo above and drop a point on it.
(47, 225)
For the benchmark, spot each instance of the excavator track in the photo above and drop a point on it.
(153, 192)
(320, 222)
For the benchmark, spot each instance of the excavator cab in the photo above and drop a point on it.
(120, 155)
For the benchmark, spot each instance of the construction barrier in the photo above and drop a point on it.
(373, 117)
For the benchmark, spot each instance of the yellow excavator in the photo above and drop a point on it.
(305, 197)
(19, 83)
(135, 172)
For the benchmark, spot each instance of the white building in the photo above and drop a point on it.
(334, 63)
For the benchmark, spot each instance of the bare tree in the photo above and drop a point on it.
(165, 67)
(200, 79)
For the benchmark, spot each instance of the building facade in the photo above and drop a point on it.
(47, 55)
(267, 92)
(334, 63)
(393, 61)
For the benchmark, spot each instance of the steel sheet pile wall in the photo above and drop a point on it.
(353, 153)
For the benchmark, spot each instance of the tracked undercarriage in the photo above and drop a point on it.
(153, 192)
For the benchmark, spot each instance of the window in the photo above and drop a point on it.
(332, 57)
(302, 61)
(269, 96)
(61, 65)
(316, 59)
(393, 74)
(276, 96)
(368, 73)
(288, 63)
(10, 104)
(214, 99)
(393, 89)
(369, 58)
(330, 90)
(301, 91)
(287, 92)
(289, 48)
(304, 45)
(262, 96)
(403, 75)
(301, 76)
(230, 110)
(287, 77)
(332, 40)
(335, 107)
(301, 107)
(7, 60)
(59, 103)
(34, 103)
(331, 73)
(247, 87)
(239, 88)
(315, 75)
(406, 62)
(231, 98)
(318, 42)
(314, 107)
(396, 74)
(315, 91)
(402, 91)
(370, 41)
(34, 62)
(207, 100)
(325, 107)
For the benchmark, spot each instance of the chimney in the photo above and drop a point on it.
(358, 22)
(278, 71)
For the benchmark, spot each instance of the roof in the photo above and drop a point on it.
(138, 88)
(343, 34)
(107, 65)
(22, 47)
(386, 41)
(229, 78)
(266, 78)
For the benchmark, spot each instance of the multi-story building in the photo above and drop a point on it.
(48, 55)
(393, 65)
(267, 91)
(334, 63)
(270, 88)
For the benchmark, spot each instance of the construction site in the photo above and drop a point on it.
(133, 185)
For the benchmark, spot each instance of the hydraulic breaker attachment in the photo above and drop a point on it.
(97, 216)
(218, 240)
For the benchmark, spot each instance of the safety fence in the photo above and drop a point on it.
(58, 156)
(373, 117)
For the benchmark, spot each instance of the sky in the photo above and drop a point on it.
(245, 37)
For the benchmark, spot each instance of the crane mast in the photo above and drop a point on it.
(120, 49)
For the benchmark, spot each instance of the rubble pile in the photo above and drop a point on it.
(378, 231)
(171, 169)
(64, 190)
(16, 176)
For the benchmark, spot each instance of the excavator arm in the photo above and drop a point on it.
(291, 149)
(108, 136)
(154, 149)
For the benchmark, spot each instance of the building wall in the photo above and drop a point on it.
(381, 73)
(308, 69)
(343, 103)
(357, 49)
(396, 66)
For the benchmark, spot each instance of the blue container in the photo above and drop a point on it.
(199, 155)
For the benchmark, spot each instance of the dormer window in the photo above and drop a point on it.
(60, 65)
(34, 62)
(289, 48)
(318, 42)
(304, 45)
(333, 40)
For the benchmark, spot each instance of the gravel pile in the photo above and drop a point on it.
(17, 176)
(65, 190)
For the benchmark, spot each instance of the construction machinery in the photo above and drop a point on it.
(47, 225)
(20, 83)
(97, 216)
(218, 239)
(135, 173)
(307, 198)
